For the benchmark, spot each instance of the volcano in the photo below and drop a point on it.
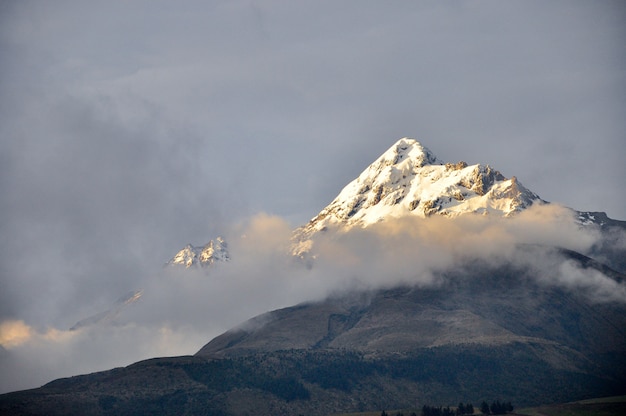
(533, 324)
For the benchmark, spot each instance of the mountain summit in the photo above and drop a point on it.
(408, 179)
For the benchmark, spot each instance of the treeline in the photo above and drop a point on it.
(496, 408)
(462, 409)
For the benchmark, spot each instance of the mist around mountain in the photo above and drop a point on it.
(482, 290)
(483, 330)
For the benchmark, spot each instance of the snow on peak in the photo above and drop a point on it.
(406, 151)
(214, 251)
(408, 179)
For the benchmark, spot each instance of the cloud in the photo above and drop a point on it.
(178, 312)
(592, 283)
(35, 358)
(14, 333)
(418, 251)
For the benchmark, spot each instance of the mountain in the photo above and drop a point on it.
(209, 254)
(531, 324)
(110, 314)
(408, 180)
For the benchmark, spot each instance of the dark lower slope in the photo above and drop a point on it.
(317, 383)
(483, 333)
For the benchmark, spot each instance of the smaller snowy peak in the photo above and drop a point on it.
(214, 251)
(406, 152)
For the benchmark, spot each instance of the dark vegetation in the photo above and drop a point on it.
(461, 409)
(496, 408)
(225, 375)
(312, 383)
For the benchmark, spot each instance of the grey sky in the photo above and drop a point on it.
(128, 129)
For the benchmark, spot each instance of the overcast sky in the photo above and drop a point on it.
(129, 129)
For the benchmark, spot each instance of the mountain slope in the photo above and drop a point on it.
(475, 304)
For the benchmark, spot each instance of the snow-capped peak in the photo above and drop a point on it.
(408, 179)
(405, 153)
(212, 252)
